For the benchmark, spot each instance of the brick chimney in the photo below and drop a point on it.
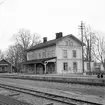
(44, 39)
(59, 35)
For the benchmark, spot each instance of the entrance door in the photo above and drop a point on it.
(39, 69)
(50, 68)
(75, 67)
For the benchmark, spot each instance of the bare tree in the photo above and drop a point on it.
(25, 40)
(12, 54)
(89, 39)
(99, 49)
(95, 46)
(1, 55)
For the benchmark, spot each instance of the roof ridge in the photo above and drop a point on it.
(51, 43)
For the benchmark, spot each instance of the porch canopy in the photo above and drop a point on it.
(3, 65)
(40, 61)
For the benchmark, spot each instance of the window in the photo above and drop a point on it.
(33, 55)
(65, 53)
(43, 54)
(70, 43)
(75, 66)
(88, 66)
(66, 43)
(3, 68)
(39, 55)
(65, 66)
(53, 53)
(28, 56)
(74, 53)
(36, 56)
(48, 54)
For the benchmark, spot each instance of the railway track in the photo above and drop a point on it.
(6, 100)
(62, 99)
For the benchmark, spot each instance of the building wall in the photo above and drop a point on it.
(86, 66)
(8, 66)
(9, 69)
(42, 53)
(63, 46)
(60, 68)
(59, 52)
(69, 47)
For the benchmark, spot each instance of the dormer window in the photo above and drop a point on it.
(68, 43)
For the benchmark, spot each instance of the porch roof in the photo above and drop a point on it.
(38, 61)
(3, 64)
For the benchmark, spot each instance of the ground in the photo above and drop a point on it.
(97, 91)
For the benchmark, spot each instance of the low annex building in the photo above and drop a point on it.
(60, 55)
(6, 67)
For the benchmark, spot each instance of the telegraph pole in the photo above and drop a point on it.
(81, 27)
(90, 54)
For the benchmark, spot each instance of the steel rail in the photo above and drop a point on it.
(70, 101)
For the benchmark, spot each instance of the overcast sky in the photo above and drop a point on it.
(46, 17)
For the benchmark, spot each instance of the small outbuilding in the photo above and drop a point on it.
(87, 68)
(6, 67)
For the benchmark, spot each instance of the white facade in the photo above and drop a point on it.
(64, 50)
(42, 53)
(69, 45)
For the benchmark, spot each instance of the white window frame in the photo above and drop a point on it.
(43, 55)
(75, 68)
(53, 53)
(65, 66)
(70, 43)
(74, 53)
(87, 65)
(66, 43)
(39, 55)
(65, 54)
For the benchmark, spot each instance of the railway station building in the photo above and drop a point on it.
(60, 55)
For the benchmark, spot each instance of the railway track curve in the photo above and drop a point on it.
(54, 97)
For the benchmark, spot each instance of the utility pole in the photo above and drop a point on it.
(81, 27)
(90, 54)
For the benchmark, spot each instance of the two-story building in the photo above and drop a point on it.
(60, 55)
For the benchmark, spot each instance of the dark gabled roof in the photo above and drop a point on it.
(43, 45)
(38, 60)
(5, 61)
(52, 43)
